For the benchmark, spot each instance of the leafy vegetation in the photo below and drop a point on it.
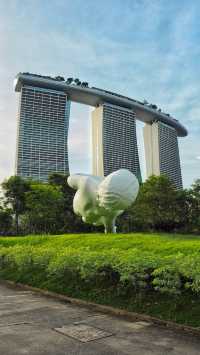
(43, 205)
(158, 274)
(36, 207)
(15, 189)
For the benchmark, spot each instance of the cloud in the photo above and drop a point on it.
(143, 49)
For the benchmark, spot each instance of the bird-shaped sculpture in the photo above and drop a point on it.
(100, 200)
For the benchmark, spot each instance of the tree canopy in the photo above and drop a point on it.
(36, 207)
(14, 191)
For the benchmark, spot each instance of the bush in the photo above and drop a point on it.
(136, 263)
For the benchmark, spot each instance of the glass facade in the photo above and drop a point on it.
(169, 154)
(162, 152)
(42, 133)
(119, 140)
(114, 130)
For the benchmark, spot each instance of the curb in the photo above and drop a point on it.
(109, 310)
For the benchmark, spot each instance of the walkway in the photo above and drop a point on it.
(35, 325)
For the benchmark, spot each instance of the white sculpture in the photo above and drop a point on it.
(99, 200)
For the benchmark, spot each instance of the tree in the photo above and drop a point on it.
(60, 78)
(71, 222)
(69, 80)
(69, 219)
(194, 206)
(77, 81)
(164, 207)
(15, 189)
(159, 206)
(84, 84)
(44, 207)
(5, 221)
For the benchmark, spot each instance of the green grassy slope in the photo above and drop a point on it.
(150, 273)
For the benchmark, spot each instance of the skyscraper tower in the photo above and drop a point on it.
(114, 142)
(162, 153)
(42, 132)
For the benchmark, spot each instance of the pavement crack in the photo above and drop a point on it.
(11, 324)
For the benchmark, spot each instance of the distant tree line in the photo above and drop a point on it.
(30, 207)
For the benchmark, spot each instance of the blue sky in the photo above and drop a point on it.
(143, 49)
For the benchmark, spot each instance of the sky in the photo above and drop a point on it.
(144, 49)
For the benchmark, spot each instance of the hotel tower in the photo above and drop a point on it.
(114, 142)
(161, 152)
(43, 121)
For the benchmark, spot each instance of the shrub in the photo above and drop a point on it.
(132, 263)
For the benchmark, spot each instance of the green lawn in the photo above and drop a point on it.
(156, 274)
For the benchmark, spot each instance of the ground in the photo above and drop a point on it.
(28, 322)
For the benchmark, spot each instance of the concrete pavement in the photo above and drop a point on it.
(35, 325)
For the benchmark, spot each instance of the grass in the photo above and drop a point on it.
(155, 274)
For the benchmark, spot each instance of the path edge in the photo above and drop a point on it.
(109, 310)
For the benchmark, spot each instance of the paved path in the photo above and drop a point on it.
(35, 325)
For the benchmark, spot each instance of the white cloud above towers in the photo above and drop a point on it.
(143, 49)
